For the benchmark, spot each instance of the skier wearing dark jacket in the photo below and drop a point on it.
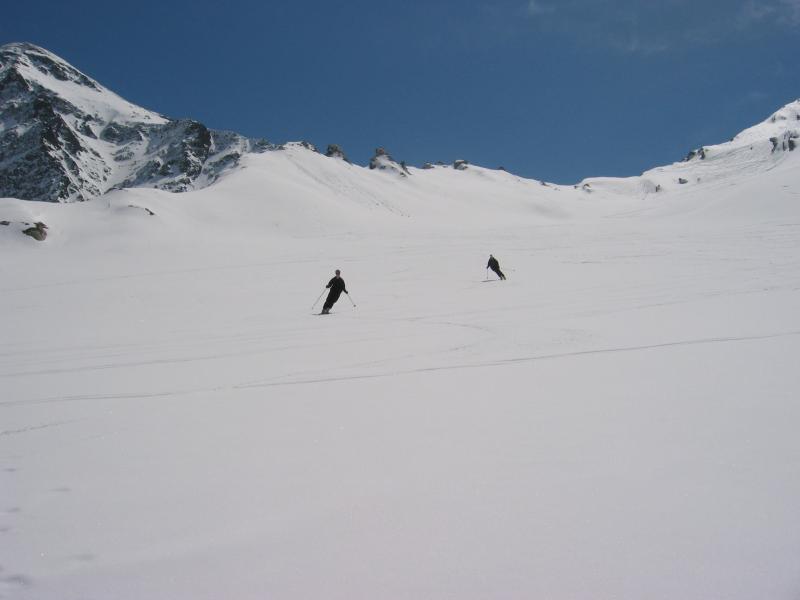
(337, 286)
(495, 266)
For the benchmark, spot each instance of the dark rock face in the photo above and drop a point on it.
(117, 133)
(37, 147)
(786, 143)
(76, 140)
(460, 165)
(682, 181)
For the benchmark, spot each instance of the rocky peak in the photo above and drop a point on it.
(64, 137)
(19, 56)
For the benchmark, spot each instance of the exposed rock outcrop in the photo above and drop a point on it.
(382, 161)
(335, 151)
(699, 153)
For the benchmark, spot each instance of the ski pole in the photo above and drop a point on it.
(317, 300)
(351, 300)
(487, 273)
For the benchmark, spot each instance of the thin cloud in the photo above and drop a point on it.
(790, 11)
(644, 28)
(537, 8)
(634, 44)
(755, 12)
(769, 12)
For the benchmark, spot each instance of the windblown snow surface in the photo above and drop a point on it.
(617, 420)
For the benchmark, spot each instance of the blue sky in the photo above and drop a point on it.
(549, 89)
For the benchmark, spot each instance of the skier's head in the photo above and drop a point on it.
(338, 272)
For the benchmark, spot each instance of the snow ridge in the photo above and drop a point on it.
(65, 138)
(755, 150)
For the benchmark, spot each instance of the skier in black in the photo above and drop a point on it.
(495, 266)
(337, 286)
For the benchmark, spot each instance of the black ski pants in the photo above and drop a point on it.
(498, 271)
(333, 296)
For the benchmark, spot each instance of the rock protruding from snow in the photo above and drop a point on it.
(786, 142)
(335, 151)
(383, 161)
(64, 137)
(699, 153)
(37, 231)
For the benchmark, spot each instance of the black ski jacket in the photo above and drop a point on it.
(493, 264)
(337, 286)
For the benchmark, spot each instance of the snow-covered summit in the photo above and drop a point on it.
(782, 129)
(64, 137)
(766, 146)
(762, 146)
(32, 67)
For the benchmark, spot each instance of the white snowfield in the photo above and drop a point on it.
(617, 420)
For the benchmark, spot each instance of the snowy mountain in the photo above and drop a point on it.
(616, 420)
(64, 137)
(757, 149)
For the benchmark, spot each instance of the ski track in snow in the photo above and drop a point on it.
(277, 382)
(32, 428)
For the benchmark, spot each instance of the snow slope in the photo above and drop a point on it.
(617, 420)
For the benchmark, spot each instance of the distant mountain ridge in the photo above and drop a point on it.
(64, 137)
